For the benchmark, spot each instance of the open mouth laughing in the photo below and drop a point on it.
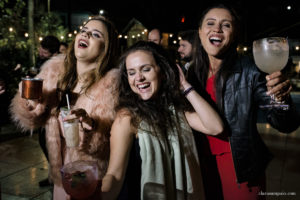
(215, 40)
(83, 43)
(143, 86)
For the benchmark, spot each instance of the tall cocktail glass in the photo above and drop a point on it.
(271, 55)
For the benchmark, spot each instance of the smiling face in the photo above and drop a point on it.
(216, 31)
(143, 74)
(90, 42)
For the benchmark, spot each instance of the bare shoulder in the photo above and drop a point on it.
(122, 123)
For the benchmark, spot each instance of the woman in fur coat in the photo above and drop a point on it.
(86, 74)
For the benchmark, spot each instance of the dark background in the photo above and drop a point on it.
(260, 18)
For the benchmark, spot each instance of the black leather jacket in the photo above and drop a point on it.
(245, 90)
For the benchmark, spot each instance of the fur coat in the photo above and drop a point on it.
(99, 103)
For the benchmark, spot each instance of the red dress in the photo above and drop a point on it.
(220, 148)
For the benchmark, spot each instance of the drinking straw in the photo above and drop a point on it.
(69, 108)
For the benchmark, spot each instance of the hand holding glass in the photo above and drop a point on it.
(71, 129)
(271, 55)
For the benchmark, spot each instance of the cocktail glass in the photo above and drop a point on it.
(271, 55)
(80, 180)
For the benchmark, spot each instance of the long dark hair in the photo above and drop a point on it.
(198, 72)
(106, 60)
(155, 111)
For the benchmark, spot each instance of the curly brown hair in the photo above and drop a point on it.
(155, 111)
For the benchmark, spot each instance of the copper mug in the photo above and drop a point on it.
(32, 88)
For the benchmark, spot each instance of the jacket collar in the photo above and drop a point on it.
(240, 63)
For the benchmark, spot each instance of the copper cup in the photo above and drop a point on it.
(32, 88)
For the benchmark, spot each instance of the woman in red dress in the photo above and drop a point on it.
(237, 159)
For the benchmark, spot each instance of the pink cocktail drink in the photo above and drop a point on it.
(80, 179)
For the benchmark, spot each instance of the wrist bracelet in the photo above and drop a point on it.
(187, 91)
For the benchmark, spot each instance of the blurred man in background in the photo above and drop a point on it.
(155, 36)
(185, 49)
(63, 47)
(49, 47)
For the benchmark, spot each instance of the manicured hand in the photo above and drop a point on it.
(278, 85)
(87, 123)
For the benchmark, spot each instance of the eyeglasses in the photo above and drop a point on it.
(94, 34)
